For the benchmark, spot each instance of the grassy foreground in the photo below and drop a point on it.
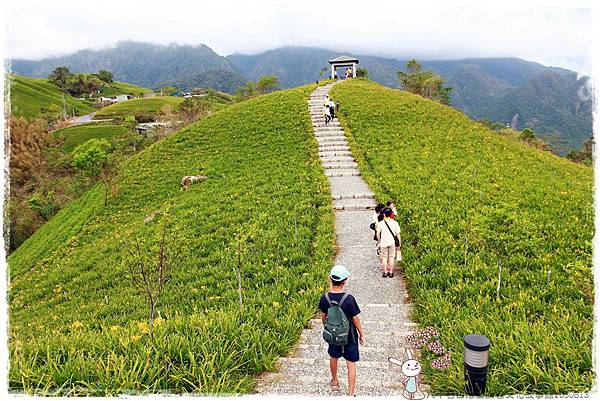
(29, 95)
(78, 134)
(78, 327)
(468, 201)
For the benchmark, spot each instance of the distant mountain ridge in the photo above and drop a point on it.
(504, 90)
(146, 64)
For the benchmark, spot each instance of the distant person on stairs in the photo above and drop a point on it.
(336, 297)
(331, 110)
(388, 235)
(326, 110)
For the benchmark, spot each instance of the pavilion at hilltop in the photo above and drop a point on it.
(343, 61)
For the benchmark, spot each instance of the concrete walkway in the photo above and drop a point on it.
(383, 301)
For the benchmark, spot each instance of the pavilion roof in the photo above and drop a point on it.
(343, 59)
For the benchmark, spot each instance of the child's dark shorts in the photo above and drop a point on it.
(350, 352)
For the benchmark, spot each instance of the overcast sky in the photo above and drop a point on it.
(551, 32)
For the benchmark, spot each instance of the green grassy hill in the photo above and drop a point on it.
(78, 134)
(149, 106)
(469, 200)
(118, 88)
(76, 323)
(29, 95)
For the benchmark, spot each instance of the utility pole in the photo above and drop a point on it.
(64, 107)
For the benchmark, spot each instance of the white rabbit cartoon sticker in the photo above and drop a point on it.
(411, 368)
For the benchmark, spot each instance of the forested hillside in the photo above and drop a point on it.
(146, 65)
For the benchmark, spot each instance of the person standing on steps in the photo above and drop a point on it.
(390, 204)
(337, 297)
(388, 235)
(331, 110)
(326, 110)
(377, 218)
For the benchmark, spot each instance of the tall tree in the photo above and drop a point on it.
(105, 76)
(424, 82)
(267, 84)
(60, 77)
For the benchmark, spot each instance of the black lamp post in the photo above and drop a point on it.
(476, 363)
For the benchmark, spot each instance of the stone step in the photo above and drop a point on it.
(330, 138)
(328, 128)
(334, 149)
(338, 159)
(318, 362)
(313, 385)
(322, 124)
(384, 323)
(330, 134)
(353, 196)
(320, 117)
(333, 123)
(368, 203)
(335, 140)
(392, 340)
(353, 207)
(340, 165)
(343, 153)
(366, 352)
(342, 173)
(371, 371)
(332, 144)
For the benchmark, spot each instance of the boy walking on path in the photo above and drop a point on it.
(388, 235)
(334, 298)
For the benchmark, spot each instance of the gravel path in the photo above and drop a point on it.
(384, 305)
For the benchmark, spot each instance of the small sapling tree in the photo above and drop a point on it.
(148, 264)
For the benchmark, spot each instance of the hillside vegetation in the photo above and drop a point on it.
(77, 326)
(470, 201)
(79, 134)
(150, 106)
(28, 96)
(117, 88)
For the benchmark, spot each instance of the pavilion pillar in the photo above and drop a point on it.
(354, 70)
(332, 71)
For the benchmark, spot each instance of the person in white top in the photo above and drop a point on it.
(326, 110)
(388, 235)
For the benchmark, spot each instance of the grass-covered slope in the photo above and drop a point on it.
(78, 134)
(469, 200)
(147, 105)
(29, 95)
(77, 324)
(119, 88)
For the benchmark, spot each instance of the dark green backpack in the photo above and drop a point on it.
(337, 326)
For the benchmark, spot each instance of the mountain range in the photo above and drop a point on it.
(554, 102)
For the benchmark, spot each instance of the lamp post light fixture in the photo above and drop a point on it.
(476, 363)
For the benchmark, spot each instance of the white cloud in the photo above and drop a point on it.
(551, 32)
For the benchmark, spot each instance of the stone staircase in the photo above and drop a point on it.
(385, 311)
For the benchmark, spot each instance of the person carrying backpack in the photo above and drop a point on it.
(342, 329)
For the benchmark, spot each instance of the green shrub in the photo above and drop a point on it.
(90, 157)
